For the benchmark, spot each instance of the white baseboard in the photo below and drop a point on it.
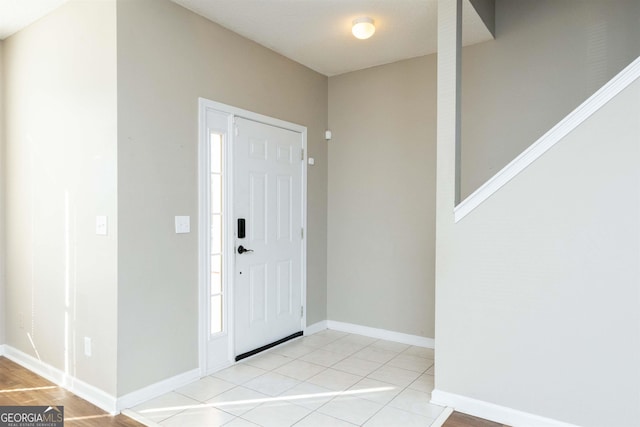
(92, 394)
(443, 417)
(80, 388)
(382, 334)
(316, 327)
(3, 350)
(493, 412)
(154, 390)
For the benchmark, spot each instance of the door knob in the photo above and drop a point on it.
(241, 250)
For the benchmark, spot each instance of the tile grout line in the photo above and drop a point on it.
(349, 354)
(382, 406)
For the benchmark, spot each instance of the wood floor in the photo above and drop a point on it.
(21, 387)
(458, 419)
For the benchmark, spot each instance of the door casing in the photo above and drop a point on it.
(204, 106)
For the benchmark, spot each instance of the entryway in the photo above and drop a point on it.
(330, 378)
(252, 247)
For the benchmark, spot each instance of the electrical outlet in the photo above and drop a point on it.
(101, 225)
(87, 346)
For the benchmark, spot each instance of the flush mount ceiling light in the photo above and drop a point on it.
(363, 28)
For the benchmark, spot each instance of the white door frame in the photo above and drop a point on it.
(205, 105)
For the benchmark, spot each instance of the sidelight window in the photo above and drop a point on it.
(217, 237)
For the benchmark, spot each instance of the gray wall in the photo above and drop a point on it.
(167, 58)
(2, 187)
(381, 197)
(563, 50)
(545, 313)
(548, 57)
(60, 173)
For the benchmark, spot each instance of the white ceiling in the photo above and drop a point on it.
(315, 33)
(17, 14)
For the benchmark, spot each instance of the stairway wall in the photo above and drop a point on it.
(538, 306)
(547, 58)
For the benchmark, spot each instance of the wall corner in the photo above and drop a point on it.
(486, 9)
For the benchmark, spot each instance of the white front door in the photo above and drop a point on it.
(268, 196)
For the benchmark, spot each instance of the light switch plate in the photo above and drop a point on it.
(183, 224)
(101, 225)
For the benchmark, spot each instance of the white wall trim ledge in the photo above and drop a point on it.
(80, 388)
(154, 390)
(2, 350)
(381, 334)
(493, 412)
(607, 92)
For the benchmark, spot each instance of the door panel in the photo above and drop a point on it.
(268, 193)
(285, 291)
(285, 208)
(258, 207)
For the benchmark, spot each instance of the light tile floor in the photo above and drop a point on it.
(327, 379)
